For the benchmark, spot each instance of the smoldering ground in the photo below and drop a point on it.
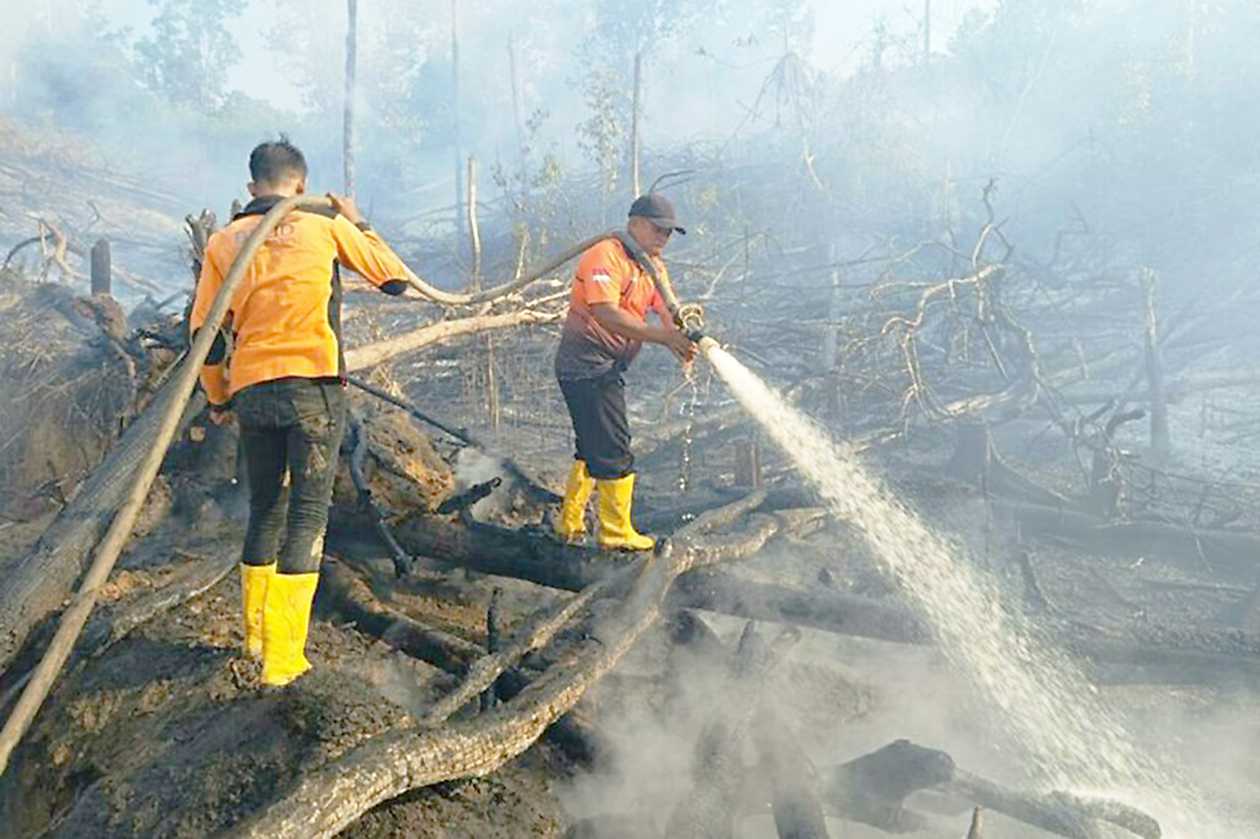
(843, 697)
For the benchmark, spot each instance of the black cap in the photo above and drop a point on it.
(656, 209)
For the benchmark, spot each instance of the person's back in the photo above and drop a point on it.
(284, 380)
(285, 316)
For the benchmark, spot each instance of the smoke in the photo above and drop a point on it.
(1090, 115)
(75, 63)
(844, 697)
(473, 467)
(840, 697)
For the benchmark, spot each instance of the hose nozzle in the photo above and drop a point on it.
(690, 319)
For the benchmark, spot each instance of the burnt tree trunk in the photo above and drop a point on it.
(707, 810)
(635, 105)
(455, 124)
(793, 782)
(1161, 445)
(347, 148)
(101, 274)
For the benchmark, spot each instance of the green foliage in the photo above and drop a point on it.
(604, 135)
(187, 56)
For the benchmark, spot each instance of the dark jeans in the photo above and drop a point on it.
(602, 434)
(292, 425)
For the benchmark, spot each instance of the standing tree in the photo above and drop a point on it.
(457, 142)
(186, 58)
(352, 39)
(615, 54)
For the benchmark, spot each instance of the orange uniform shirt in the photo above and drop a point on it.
(606, 273)
(285, 316)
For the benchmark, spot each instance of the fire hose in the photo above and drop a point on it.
(181, 384)
(689, 317)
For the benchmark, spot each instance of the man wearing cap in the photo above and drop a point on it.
(604, 331)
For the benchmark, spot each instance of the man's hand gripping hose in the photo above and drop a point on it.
(688, 317)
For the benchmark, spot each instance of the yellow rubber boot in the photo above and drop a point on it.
(254, 580)
(615, 530)
(286, 619)
(571, 525)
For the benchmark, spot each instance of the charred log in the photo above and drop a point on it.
(352, 598)
(873, 789)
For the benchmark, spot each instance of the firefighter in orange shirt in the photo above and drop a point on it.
(285, 383)
(603, 332)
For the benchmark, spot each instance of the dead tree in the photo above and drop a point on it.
(102, 276)
(1160, 444)
(456, 124)
(975, 831)
(635, 107)
(347, 143)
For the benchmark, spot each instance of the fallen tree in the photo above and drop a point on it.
(362, 358)
(1157, 654)
(327, 799)
(37, 584)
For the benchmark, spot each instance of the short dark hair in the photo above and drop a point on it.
(275, 161)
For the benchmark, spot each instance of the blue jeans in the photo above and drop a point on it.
(291, 425)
